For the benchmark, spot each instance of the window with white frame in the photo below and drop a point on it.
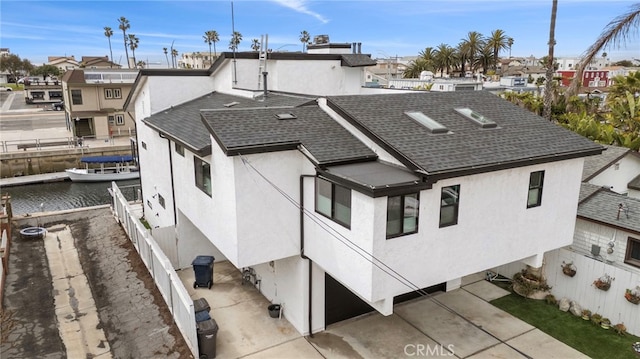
(119, 120)
(112, 93)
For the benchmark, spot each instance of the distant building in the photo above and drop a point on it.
(63, 63)
(98, 62)
(195, 60)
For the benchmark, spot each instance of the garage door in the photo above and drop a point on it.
(341, 303)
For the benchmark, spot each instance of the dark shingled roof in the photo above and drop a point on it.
(595, 164)
(183, 123)
(74, 76)
(357, 60)
(243, 131)
(586, 190)
(603, 207)
(522, 138)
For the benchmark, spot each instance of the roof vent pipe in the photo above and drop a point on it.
(353, 47)
(264, 75)
(359, 47)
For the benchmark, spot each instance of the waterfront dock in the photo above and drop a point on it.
(33, 179)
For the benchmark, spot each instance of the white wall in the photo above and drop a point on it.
(588, 233)
(190, 242)
(167, 91)
(619, 174)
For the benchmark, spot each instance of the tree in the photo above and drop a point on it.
(174, 57)
(623, 84)
(414, 68)
(468, 49)
(46, 70)
(446, 57)
(548, 99)
(124, 26)
(485, 58)
(498, 41)
(108, 33)
(255, 45)
(164, 49)
(625, 63)
(14, 65)
(304, 39)
(236, 38)
(615, 33)
(133, 45)
(141, 64)
(510, 43)
(211, 37)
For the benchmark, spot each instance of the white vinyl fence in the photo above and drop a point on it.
(579, 288)
(160, 268)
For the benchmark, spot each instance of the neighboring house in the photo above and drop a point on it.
(63, 63)
(38, 90)
(606, 239)
(347, 203)
(98, 62)
(616, 168)
(590, 78)
(195, 60)
(93, 102)
(525, 71)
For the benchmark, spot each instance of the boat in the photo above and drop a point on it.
(112, 168)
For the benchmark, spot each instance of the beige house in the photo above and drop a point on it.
(93, 101)
(63, 63)
(98, 62)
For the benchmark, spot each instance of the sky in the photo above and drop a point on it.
(37, 29)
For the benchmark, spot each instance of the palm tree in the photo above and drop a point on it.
(445, 57)
(141, 64)
(108, 33)
(236, 37)
(255, 45)
(174, 57)
(164, 49)
(469, 47)
(416, 67)
(429, 56)
(133, 45)
(615, 33)
(124, 26)
(546, 113)
(304, 39)
(497, 41)
(211, 37)
(510, 43)
(485, 58)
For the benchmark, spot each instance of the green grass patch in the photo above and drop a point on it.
(576, 332)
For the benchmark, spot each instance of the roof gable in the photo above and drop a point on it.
(595, 165)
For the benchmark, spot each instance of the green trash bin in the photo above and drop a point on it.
(207, 334)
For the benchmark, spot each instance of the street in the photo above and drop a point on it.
(31, 121)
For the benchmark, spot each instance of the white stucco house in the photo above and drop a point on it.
(341, 199)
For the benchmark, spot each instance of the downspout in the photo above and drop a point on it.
(302, 177)
(173, 189)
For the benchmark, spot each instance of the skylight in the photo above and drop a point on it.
(432, 125)
(479, 119)
(231, 104)
(285, 116)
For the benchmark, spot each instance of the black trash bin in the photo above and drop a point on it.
(203, 269)
(207, 334)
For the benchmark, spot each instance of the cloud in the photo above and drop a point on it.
(301, 7)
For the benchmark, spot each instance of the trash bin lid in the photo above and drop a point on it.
(208, 326)
(202, 261)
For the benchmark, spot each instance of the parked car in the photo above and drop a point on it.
(58, 106)
(5, 88)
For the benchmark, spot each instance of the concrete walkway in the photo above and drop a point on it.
(460, 323)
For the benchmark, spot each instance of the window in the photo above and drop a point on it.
(112, 120)
(402, 215)
(112, 93)
(55, 94)
(37, 95)
(76, 97)
(633, 252)
(333, 201)
(449, 200)
(536, 179)
(119, 120)
(161, 200)
(203, 175)
(180, 149)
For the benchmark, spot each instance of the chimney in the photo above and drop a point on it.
(359, 47)
(353, 47)
(264, 75)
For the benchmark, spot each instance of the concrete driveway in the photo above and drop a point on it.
(460, 323)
